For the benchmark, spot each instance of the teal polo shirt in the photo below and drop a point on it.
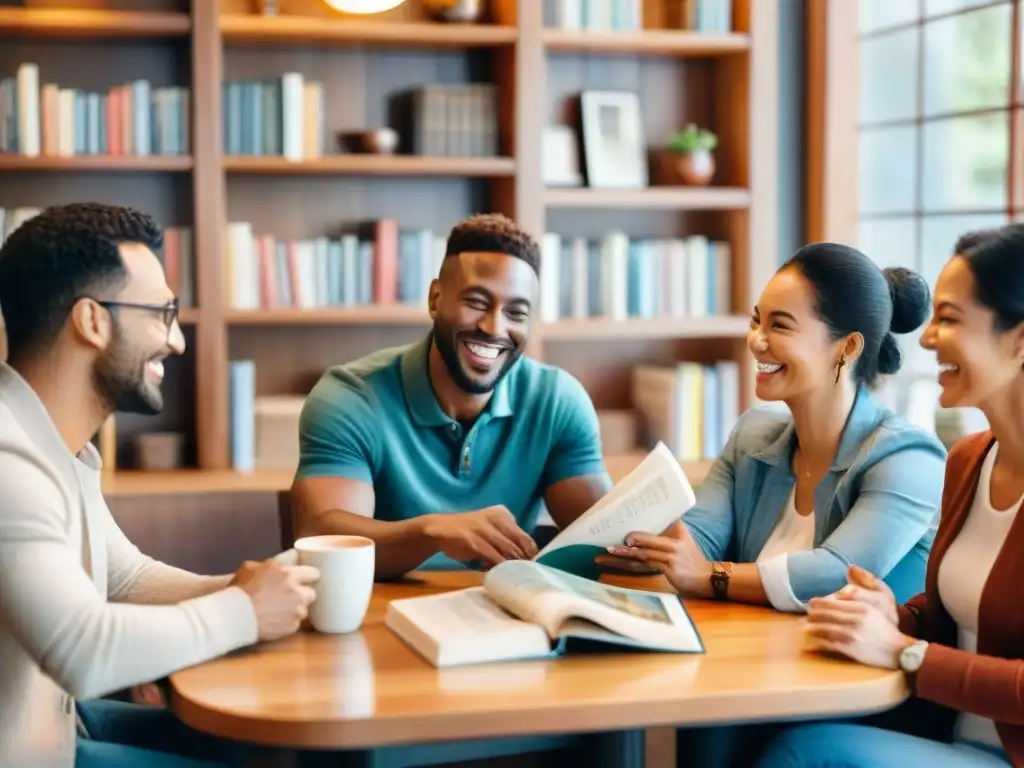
(376, 420)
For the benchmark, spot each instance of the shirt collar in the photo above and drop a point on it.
(419, 393)
(865, 415)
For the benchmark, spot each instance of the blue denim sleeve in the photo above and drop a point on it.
(711, 521)
(576, 449)
(339, 432)
(898, 503)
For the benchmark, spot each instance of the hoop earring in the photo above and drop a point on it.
(839, 368)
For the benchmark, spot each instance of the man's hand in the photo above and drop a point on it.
(149, 694)
(490, 535)
(280, 595)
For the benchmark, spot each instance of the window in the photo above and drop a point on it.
(940, 100)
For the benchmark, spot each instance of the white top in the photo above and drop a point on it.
(793, 532)
(962, 576)
(72, 623)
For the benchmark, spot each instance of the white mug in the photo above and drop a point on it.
(346, 565)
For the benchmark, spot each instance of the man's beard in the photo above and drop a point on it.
(447, 340)
(120, 380)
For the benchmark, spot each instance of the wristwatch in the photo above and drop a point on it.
(720, 573)
(912, 657)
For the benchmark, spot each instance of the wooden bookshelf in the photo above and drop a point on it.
(375, 165)
(92, 23)
(250, 29)
(727, 82)
(650, 198)
(105, 163)
(647, 328)
(653, 42)
(395, 315)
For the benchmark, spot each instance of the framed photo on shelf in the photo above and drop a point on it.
(614, 146)
(561, 167)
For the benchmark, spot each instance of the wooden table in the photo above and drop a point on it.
(369, 689)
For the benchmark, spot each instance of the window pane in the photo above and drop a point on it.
(939, 235)
(965, 162)
(889, 242)
(938, 238)
(886, 13)
(967, 61)
(935, 7)
(888, 163)
(888, 76)
(1020, 44)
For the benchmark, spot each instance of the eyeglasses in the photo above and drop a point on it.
(168, 311)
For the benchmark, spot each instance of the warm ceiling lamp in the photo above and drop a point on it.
(363, 6)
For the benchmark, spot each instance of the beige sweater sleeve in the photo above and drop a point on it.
(133, 577)
(89, 646)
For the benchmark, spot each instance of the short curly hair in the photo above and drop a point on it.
(493, 233)
(56, 257)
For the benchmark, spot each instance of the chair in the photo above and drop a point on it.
(617, 749)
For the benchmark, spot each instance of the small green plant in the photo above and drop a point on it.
(692, 139)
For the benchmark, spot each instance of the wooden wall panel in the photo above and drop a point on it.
(209, 533)
(832, 116)
(290, 360)
(312, 206)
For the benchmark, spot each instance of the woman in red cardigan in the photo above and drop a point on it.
(960, 642)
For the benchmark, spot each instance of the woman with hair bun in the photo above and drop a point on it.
(960, 643)
(801, 494)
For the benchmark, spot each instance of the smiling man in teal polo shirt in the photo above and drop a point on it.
(443, 451)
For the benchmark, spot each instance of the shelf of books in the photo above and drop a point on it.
(296, 159)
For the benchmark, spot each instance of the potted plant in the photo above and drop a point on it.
(692, 148)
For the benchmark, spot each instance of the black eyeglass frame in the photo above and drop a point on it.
(170, 310)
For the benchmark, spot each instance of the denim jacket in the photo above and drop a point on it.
(878, 506)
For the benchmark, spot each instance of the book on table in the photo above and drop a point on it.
(649, 499)
(526, 610)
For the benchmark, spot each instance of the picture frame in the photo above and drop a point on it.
(614, 145)
(561, 166)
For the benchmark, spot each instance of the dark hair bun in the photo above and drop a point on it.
(889, 356)
(910, 302)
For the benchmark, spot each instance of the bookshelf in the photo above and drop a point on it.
(725, 81)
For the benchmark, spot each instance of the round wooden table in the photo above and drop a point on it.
(369, 689)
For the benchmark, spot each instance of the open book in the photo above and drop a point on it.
(649, 499)
(526, 610)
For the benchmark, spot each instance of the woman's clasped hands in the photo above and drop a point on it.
(860, 621)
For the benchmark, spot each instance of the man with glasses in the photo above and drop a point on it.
(90, 320)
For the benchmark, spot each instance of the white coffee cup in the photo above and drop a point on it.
(346, 565)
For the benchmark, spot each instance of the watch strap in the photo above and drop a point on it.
(720, 573)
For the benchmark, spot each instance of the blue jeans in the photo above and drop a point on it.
(848, 745)
(124, 735)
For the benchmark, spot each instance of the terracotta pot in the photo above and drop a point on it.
(696, 168)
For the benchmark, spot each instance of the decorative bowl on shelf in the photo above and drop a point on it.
(455, 10)
(378, 141)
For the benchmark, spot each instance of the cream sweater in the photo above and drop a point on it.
(82, 611)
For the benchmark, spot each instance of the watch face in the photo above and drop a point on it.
(912, 656)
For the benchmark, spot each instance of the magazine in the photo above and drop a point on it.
(649, 499)
(526, 610)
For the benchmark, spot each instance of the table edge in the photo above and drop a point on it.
(859, 698)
